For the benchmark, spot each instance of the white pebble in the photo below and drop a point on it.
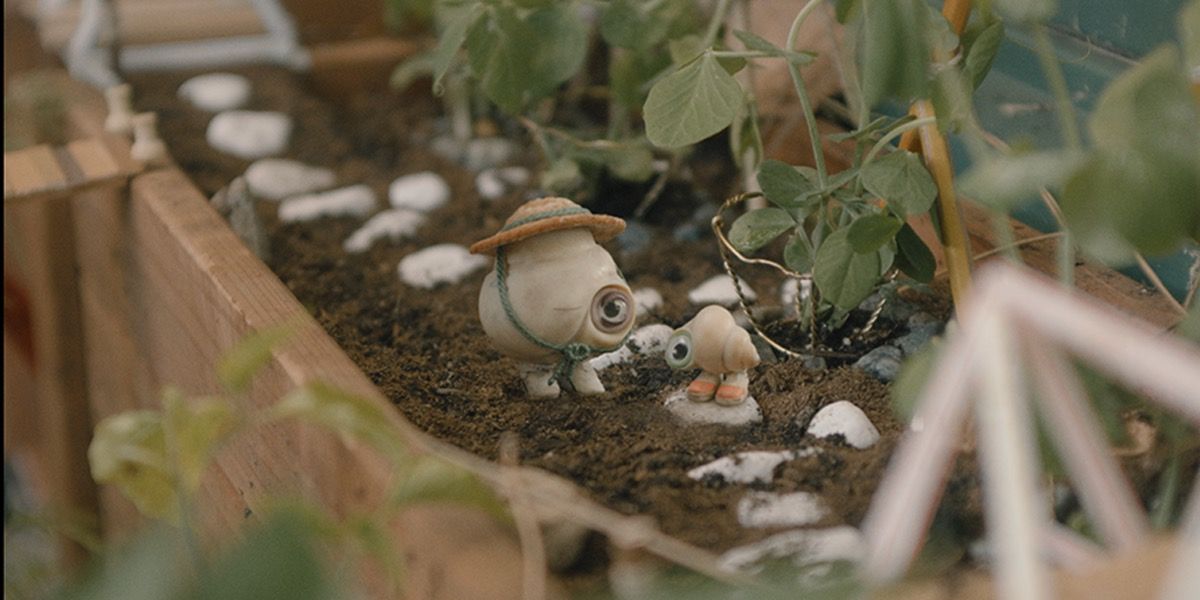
(352, 201)
(710, 412)
(443, 263)
(768, 509)
(494, 183)
(278, 178)
(393, 224)
(424, 191)
(249, 134)
(216, 92)
(803, 546)
(846, 419)
(755, 466)
(646, 341)
(719, 289)
(648, 300)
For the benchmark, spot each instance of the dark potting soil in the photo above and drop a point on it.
(426, 350)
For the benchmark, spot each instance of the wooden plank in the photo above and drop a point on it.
(196, 290)
(144, 23)
(342, 69)
(41, 172)
(41, 248)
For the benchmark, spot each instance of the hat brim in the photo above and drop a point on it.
(603, 228)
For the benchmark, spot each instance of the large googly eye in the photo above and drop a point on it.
(679, 350)
(612, 309)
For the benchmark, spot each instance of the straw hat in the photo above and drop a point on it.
(545, 215)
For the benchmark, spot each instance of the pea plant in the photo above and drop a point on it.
(158, 458)
(847, 229)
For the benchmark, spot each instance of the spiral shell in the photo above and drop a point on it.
(713, 342)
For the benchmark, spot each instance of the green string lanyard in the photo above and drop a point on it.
(572, 353)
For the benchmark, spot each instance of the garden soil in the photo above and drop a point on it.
(427, 352)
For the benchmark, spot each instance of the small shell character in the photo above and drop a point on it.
(722, 350)
(555, 296)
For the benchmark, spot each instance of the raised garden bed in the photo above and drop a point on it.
(192, 290)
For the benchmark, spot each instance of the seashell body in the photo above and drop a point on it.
(557, 281)
(718, 344)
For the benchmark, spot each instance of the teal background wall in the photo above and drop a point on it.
(1095, 41)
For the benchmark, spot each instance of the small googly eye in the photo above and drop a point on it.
(679, 350)
(612, 309)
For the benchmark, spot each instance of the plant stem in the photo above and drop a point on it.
(895, 133)
(802, 91)
(1168, 492)
(714, 24)
(1058, 86)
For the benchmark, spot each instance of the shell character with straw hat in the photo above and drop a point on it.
(555, 297)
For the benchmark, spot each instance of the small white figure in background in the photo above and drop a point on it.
(147, 146)
(555, 296)
(120, 110)
(723, 351)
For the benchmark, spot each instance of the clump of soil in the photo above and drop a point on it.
(426, 350)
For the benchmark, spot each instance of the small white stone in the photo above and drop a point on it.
(768, 509)
(249, 134)
(424, 191)
(844, 418)
(646, 341)
(494, 183)
(215, 92)
(803, 546)
(710, 412)
(352, 201)
(393, 224)
(755, 466)
(648, 300)
(443, 263)
(719, 289)
(278, 178)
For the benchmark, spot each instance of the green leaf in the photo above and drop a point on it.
(847, 9)
(913, 257)
(691, 104)
(1144, 177)
(685, 49)
(411, 69)
(630, 73)
(783, 185)
(902, 180)
(914, 374)
(352, 417)
(432, 479)
(128, 450)
(844, 277)
(753, 41)
(146, 567)
(757, 228)
(981, 48)
(634, 25)
(869, 232)
(276, 560)
(631, 162)
(1003, 182)
(562, 176)
(242, 362)
(520, 59)
(1189, 33)
(198, 427)
(746, 138)
(895, 50)
(797, 254)
(455, 22)
(1027, 11)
